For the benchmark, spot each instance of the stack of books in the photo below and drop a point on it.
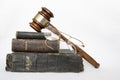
(32, 52)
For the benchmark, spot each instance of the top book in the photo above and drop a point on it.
(31, 35)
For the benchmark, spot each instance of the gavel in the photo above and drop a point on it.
(42, 20)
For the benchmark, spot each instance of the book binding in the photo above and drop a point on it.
(28, 45)
(32, 62)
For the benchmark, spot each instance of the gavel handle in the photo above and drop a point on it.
(79, 50)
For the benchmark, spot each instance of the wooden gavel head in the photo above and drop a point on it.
(41, 19)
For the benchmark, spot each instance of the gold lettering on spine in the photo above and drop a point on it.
(28, 63)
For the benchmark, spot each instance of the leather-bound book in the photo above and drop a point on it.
(31, 35)
(35, 45)
(66, 61)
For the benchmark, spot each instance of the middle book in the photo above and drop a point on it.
(35, 45)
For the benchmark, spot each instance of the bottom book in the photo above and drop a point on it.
(65, 61)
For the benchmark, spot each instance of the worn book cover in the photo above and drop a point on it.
(35, 45)
(65, 61)
(31, 35)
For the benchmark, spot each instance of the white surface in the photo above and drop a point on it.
(95, 22)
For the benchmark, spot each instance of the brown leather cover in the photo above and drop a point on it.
(35, 45)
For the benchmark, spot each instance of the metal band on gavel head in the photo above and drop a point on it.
(41, 19)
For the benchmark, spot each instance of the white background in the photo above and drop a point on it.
(95, 22)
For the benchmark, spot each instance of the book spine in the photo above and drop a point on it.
(32, 62)
(35, 45)
(31, 35)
